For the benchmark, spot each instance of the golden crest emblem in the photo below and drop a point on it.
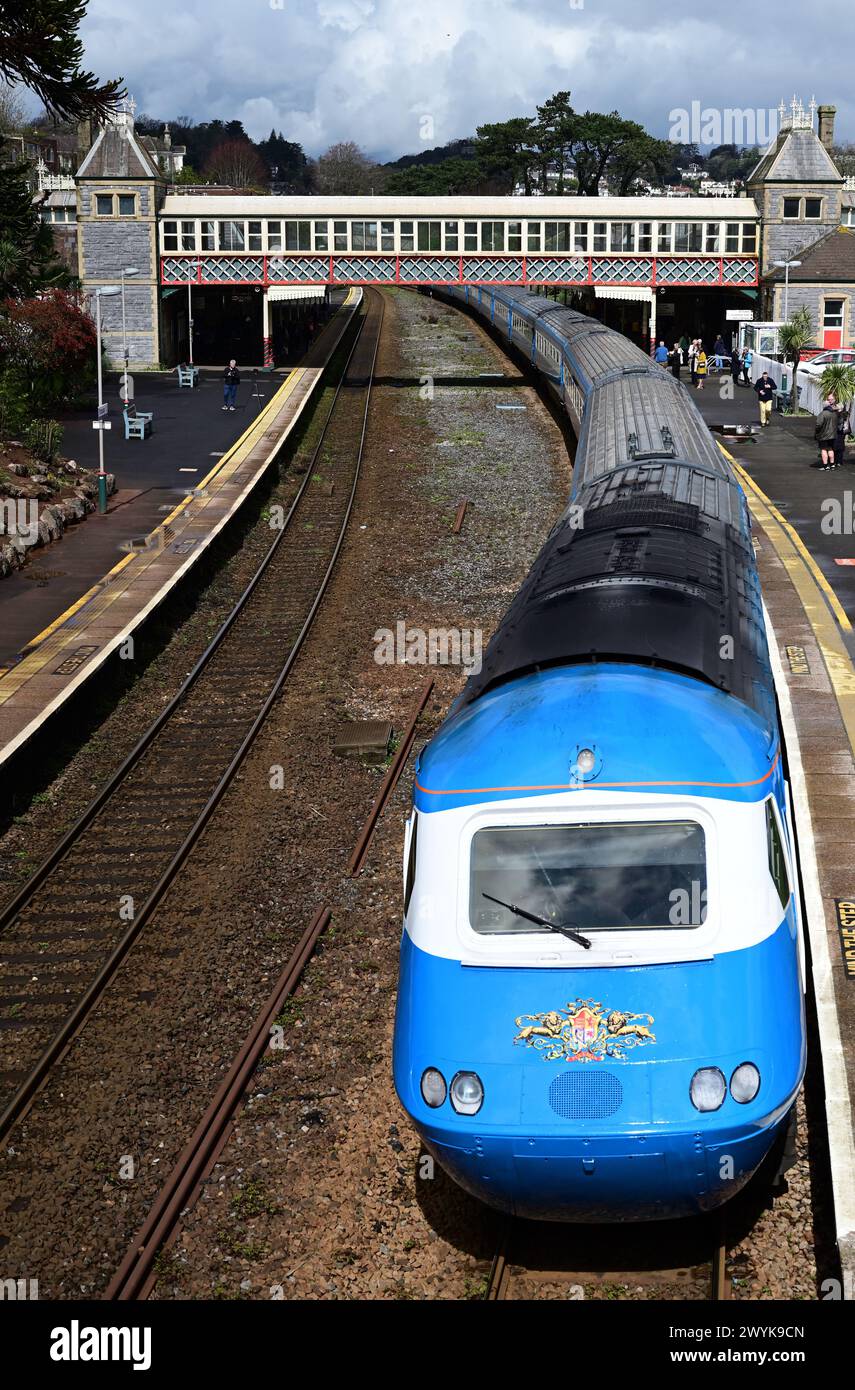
(584, 1031)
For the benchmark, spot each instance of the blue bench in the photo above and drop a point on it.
(137, 422)
(187, 375)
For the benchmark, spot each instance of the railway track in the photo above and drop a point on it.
(685, 1260)
(66, 932)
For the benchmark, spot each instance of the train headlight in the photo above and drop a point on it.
(433, 1088)
(467, 1093)
(745, 1082)
(708, 1089)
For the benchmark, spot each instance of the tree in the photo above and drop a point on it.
(447, 179)
(47, 347)
(604, 141)
(507, 151)
(238, 164)
(793, 337)
(286, 162)
(40, 47)
(12, 111)
(346, 169)
(838, 380)
(640, 158)
(29, 262)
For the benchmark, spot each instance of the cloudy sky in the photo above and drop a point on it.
(373, 70)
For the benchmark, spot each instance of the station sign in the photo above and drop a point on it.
(739, 315)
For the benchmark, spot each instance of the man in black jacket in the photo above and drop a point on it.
(765, 388)
(825, 434)
(231, 382)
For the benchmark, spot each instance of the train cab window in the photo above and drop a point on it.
(450, 236)
(470, 236)
(206, 236)
(628, 876)
(274, 236)
(600, 237)
(387, 236)
(515, 236)
(322, 236)
(429, 234)
(407, 243)
(533, 236)
(645, 236)
(339, 236)
(777, 858)
(410, 876)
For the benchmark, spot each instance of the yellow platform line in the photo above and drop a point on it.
(815, 593)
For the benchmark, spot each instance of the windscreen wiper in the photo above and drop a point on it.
(542, 921)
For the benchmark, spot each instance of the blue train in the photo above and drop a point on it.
(601, 1001)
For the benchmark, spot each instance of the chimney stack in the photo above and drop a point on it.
(826, 116)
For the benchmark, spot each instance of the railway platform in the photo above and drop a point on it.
(99, 605)
(804, 529)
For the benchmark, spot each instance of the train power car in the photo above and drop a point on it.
(600, 1012)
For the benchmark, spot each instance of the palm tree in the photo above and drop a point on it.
(793, 337)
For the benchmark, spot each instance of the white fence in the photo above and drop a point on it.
(809, 397)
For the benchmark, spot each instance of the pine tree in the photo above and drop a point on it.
(28, 259)
(40, 47)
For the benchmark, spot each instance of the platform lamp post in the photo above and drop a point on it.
(101, 292)
(129, 270)
(785, 266)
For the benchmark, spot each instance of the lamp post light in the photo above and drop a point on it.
(101, 292)
(785, 266)
(128, 270)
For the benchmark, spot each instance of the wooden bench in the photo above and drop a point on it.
(187, 375)
(137, 422)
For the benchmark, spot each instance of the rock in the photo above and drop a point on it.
(73, 509)
(19, 469)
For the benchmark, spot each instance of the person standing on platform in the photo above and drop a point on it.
(661, 354)
(693, 358)
(735, 365)
(674, 361)
(684, 346)
(231, 382)
(747, 359)
(825, 434)
(765, 388)
(843, 429)
(701, 367)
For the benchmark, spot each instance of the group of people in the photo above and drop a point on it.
(700, 364)
(832, 427)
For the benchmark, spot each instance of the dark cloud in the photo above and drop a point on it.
(371, 70)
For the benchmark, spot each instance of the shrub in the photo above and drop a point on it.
(43, 438)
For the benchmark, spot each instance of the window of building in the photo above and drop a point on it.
(533, 236)
(206, 241)
(406, 236)
(188, 236)
(170, 236)
(470, 236)
(232, 236)
(322, 236)
(663, 240)
(832, 316)
(731, 238)
(749, 237)
(340, 236)
(253, 236)
(104, 205)
(622, 236)
(492, 236)
(557, 236)
(580, 236)
(127, 204)
(450, 236)
(688, 236)
(515, 236)
(298, 236)
(429, 236)
(600, 237)
(813, 209)
(387, 236)
(712, 238)
(274, 236)
(645, 236)
(363, 236)
(792, 208)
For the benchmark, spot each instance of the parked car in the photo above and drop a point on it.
(844, 357)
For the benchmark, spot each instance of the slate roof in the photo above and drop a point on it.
(797, 156)
(120, 155)
(831, 258)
